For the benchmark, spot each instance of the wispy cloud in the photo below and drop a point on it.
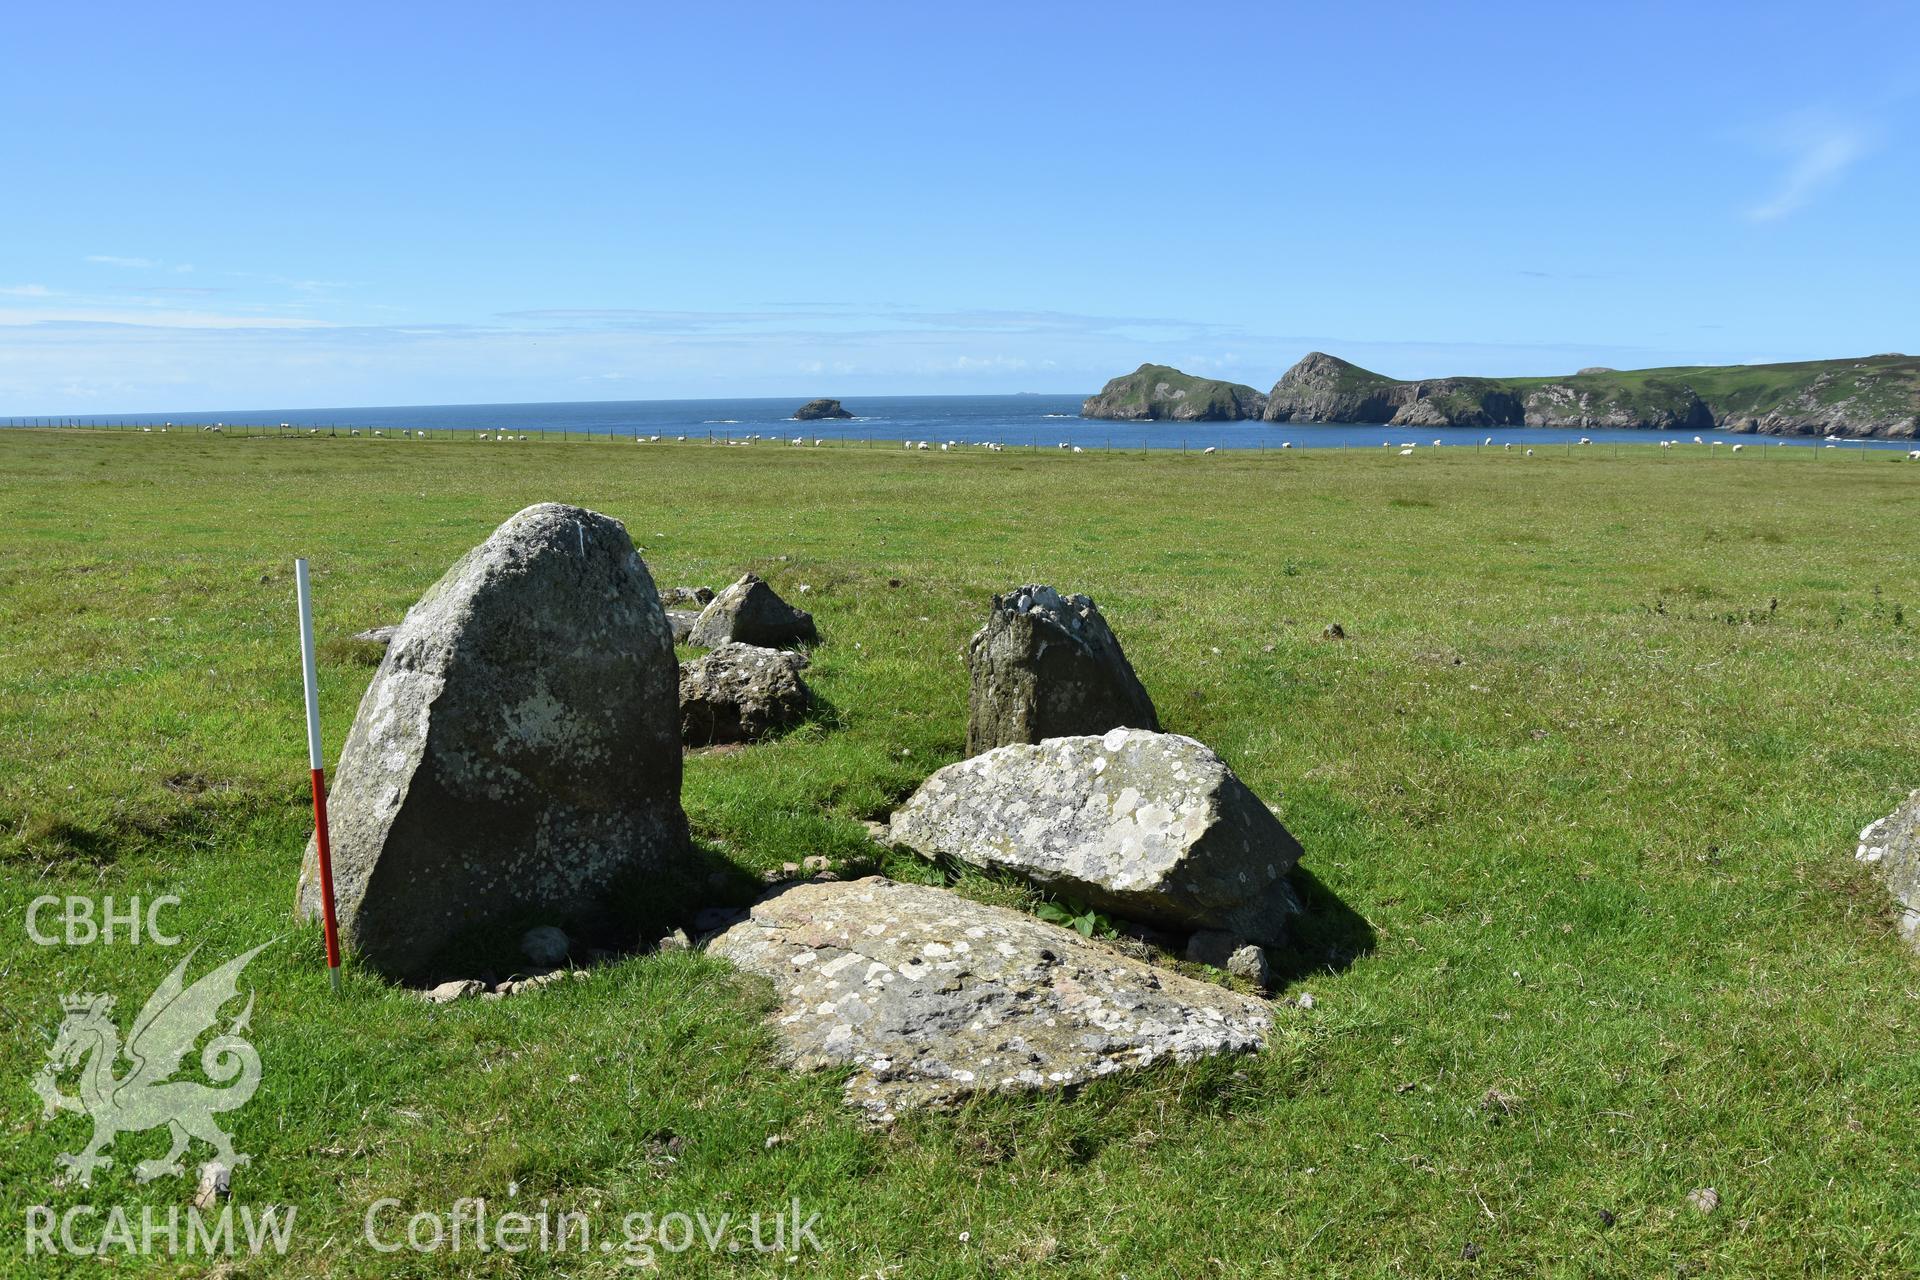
(25, 291)
(12, 317)
(138, 264)
(1820, 151)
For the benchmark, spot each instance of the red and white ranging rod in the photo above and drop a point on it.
(305, 592)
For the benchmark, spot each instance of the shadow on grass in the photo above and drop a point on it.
(1327, 937)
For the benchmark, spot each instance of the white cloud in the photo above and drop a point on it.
(1822, 150)
(26, 291)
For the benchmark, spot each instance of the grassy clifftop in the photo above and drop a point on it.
(1867, 396)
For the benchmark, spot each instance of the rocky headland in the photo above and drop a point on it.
(1158, 392)
(1873, 396)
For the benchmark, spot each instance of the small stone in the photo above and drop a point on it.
(675, 941)
(216, 1184)
(1703, 1199)
(750, 612)
(460, 989)
(1471, 1251)
(1606, 1218)
(1333, 631)
(545, 946)
(816, 862)
(1306, 1000)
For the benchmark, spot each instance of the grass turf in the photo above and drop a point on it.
(1578, 795)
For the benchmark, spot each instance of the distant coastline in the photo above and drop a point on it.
(1867, 397)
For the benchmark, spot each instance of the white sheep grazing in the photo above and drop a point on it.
(1529, 453)
(1436, 444)
(1914, 456)
(921, 446)
(1078, 449)
(1698, 440)
(1209, 449)
(1508, 446)
(1286, 444)
(1488, 440)
(1584, 440)
(1737, 448)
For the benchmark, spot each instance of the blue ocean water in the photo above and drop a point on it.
(1042, 421)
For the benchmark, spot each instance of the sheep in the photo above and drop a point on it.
(1078, 449)
(1286, 444)
(1209, 449)
(1737, 448)
(1529, 453)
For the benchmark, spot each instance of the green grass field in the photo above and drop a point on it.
(1579, 795)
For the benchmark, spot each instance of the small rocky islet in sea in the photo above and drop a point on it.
(815, 410)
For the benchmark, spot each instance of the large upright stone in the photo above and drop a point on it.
(518, 751)
(932, 998)
(1891, 847)
(1152, 827)
(751, 612)
(1048, 666)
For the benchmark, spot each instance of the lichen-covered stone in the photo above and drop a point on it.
(1891, 847)
(751, 612)
(1149, 826)
(932, 997)
(518, 751)
(741, 693)
(1048, 666)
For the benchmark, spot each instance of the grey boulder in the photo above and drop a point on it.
(699, 597)
(680, 622)
(1048, 666)
(1891, 847)
(932, 997)
(1148, 826)
(517, 753)
(751, 612)
(741, 693)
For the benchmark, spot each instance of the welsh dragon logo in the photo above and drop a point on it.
(145, 1096)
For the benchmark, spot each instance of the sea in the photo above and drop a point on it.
(1015, 421)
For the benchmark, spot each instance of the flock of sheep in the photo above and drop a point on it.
(1406, 447)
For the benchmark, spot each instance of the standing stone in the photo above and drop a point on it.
(1148, 826)
(741, 693)
(1891, 847)
(932, 997)
(518, 752)
(1048, 666)
(751, 612)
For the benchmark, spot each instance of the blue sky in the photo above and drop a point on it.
(236, 206)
